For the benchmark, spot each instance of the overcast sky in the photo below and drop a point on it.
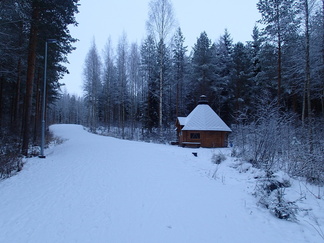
(100, 19)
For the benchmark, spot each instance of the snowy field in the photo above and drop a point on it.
(100, 189)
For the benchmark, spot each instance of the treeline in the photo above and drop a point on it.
(270, 90)
(149, 85)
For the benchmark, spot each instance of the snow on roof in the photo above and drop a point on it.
(182, 120)
(203, 118)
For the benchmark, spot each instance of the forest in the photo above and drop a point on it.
(269, 90)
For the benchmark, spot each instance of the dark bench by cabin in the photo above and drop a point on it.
(191, 144)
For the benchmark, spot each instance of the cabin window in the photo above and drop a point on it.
(195, 135)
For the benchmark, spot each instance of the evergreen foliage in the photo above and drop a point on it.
(25, 26)
(180, 66)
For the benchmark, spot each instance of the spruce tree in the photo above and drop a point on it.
(224, 69)
(240, 85)
(150, 76)
(179, 67)
(202, 70)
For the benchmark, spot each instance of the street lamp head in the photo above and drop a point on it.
(51, 41)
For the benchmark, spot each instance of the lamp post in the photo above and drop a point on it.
(42, 155)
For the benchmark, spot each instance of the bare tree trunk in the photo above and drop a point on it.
(123, 110)
(323, 58)
(161, 94)
(1, 102)
(307, 70)
(279, 56)
(177, 99)
(161, 22)
(15, 113)
(15, 108)
(37, 117)
(279, 73)
(30, 77)
(304, 104)
(294, 102)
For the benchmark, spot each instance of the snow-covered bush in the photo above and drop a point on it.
(9, 164)
(34, 150)
(305, 157)
(244, 167)
(218, 158)
(259, 141)
(274, 140)
(270, 191)
(10, 159)
(280, 207)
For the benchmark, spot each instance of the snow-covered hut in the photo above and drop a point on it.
(202, 127)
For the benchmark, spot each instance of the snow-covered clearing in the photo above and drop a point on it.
(100, 189)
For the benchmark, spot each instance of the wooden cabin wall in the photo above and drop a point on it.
(208, 139)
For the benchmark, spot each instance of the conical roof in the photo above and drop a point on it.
(204, 118)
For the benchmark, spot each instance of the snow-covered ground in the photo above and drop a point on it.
(100, 189)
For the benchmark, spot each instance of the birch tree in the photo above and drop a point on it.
(92, 85)
(134, 83)
(108, 96)
(122, 53)
(160, 25)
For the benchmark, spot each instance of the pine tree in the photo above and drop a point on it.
(280, 19)
(317, 56)
(25, 27)
(12, 55)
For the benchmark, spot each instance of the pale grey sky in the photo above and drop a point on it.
(100, 19)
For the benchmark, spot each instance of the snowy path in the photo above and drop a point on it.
(100, 189)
